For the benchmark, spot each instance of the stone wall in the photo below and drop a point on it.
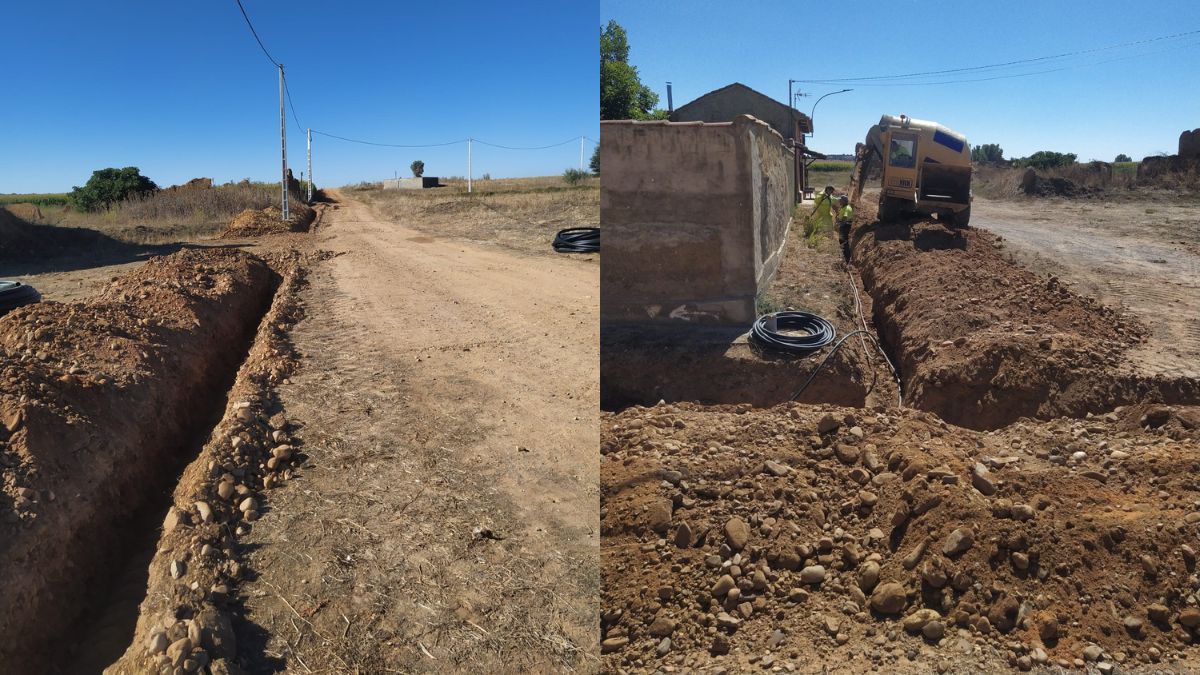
(1189, 144)
(695, 217)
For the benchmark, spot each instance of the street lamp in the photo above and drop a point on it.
(814, 109)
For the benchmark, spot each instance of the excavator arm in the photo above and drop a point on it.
(864, 154)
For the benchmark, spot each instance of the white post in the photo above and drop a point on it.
(310, 166)
(283, 148)
(581, 154)
(468, 165)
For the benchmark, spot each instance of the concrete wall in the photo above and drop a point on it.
(695, 216)
(410, 183)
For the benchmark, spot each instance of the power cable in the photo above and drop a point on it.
(255, 34)
(833, 351)
(388, 145)
(818, 332)
(540, 147)
(1006, 63)
(577, 240)
(295, 117)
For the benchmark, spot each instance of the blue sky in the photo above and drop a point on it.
(181, 89)
(1136, 104)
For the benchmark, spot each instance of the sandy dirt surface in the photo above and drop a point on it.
(445, 516)
(1141, 255)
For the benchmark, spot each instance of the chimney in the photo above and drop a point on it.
(670, 102)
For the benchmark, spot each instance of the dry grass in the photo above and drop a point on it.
(521, 214)
(167, 215)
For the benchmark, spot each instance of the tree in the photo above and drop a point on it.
(108, 186)
(574, 176)
(622, 94)
(1123, 158)
(1046, 159)
(595, 163)
(418, 168)
(988, 152)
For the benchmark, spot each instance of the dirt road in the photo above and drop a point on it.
(446, 516)
(1141, 255)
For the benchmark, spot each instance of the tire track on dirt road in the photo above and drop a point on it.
(445, 387)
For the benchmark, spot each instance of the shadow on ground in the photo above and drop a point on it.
(27, 248)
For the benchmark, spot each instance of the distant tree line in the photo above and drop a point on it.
(992, 153)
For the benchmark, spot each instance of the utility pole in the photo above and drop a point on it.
(581, 154)
(283, 148)
(468, 165)
(310, 166)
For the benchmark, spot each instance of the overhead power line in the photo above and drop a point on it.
(255, 34)
(1007, 64)
(540, 147)
(1005, 76)
(389, 145)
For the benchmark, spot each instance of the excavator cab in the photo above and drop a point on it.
(926, 168)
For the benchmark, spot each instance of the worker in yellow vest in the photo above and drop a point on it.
(845, 216)
(821, 218)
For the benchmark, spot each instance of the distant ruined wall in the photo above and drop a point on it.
(695, 216)
(1189, 144)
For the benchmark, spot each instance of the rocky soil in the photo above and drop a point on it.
(983, 341)
(818, 538)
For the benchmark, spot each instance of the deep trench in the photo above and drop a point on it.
(875, 323)
(107, 622)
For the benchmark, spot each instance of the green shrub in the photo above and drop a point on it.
(109, 186)
(574, 176)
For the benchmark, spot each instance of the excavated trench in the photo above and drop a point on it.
(106, 402)
(982, 342)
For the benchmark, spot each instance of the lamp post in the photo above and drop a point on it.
(814, 109)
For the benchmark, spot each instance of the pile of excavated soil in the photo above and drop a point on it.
(982, 341)
(818, 538)
(259, 222)
(97, 402)
(190, 615)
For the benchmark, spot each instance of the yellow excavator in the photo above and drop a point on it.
(926, 169)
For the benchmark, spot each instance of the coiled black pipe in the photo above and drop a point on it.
(14, 294)
(818, 332)
(577, 240)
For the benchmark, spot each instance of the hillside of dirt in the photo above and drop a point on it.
(983, 341)
(827, 539)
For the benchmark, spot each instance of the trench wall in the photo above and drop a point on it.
(101, 403)
(695, 218)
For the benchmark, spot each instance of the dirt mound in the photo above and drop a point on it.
(738, 538)
(193, 184)
(982, 341)
(99, 401)
(259, 222)
(1054, 186)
